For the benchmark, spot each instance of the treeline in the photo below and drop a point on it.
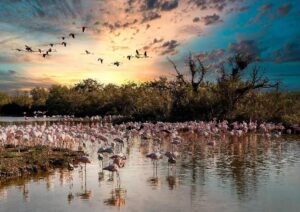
(231, 96)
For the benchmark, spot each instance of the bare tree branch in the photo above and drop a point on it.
(179, 75)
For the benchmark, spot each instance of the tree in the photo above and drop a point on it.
(197, 71)
(39, 96)
(22, 99)
(56, 102)
(4, 99)
(232, 87)
(88, 85)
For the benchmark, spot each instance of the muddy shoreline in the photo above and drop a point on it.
(20, 161)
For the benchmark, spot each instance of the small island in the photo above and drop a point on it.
(18, 161)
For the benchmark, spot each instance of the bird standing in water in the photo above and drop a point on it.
(154, 156)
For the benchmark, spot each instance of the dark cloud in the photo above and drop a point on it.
(11, 81)
(210, 4)
(151, 4)
(212, 55)
(284, 9)
(6, 74)
(119, 25)
(212, 59)
(238, 9)
(169, 47)
(150, 16)
(153, 43)
(46, 16)
(290, 52)
(248, 47)
(12, 72)
(190, 30)
(265, 7)
(196, 19)
(211, 19)
(262, 11)
(160, 5)
(169, 5)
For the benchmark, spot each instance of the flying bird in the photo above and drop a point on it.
(72, 35)
(45, 54)
(101, 60)
(146, 55)
(129, 57)
(83, 28)
(88, 52)
(64, 44)
(117, 63)
(28, 48)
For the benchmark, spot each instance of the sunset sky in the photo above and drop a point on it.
(164, 28)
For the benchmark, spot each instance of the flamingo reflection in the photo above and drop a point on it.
(118, 197)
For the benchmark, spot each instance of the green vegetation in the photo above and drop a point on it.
(238, 93)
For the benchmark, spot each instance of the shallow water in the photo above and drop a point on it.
(245, 174)
(12, 119)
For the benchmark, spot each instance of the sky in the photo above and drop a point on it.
(211, 29)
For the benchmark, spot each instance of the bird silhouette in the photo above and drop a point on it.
(19, 50)
(88, 52)
(146, 55)
(64, 44)
(83, 28)
(112, 168)
(101, 60)
(28, 48)
(137, 52)
(45, 54)
(72, 35)
(117, 63)
(129, 57)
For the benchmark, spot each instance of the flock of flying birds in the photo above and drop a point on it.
(45, 53)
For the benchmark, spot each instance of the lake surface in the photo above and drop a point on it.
(18, 119)
(241, 174)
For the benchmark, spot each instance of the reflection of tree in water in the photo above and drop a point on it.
(243, 162)
(21, 183)
(3, 193)
(193, 154)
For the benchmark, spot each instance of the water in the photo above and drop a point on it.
(11, 119)
(246, 174)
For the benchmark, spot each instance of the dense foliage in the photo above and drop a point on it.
(156, 100)
(232, 97)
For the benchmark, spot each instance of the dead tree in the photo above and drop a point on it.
(179, 75)
(232, 87)
(197, 70)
